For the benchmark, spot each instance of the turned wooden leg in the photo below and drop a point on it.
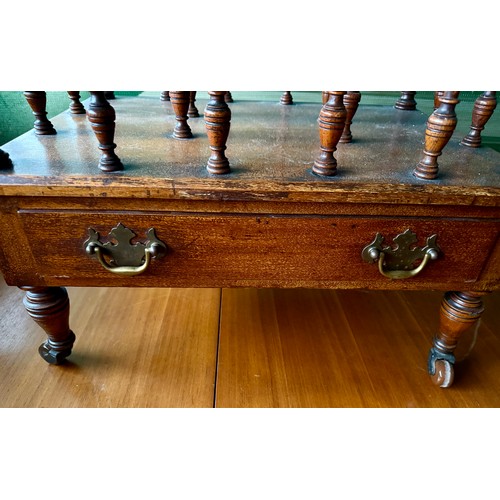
(325, 96)
(49, 307)
(459, 311)
(193, 110)
(286, 98)
(109, 94)
(228, 97)
(75, 107)
(483, 109)
(351, 103)
(437, 98)
(5, 161)
(217, 123)
(101, 116)
(180, 105)
(331, 125)
(440, 127)
(406, 101)
(38, 104)
(165, 96)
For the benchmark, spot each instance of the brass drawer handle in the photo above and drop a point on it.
(402, 274)
(123, 257)
(123, 270)
(402, 257)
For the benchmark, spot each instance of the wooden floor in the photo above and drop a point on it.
(245, 348)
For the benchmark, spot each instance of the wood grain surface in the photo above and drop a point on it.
(249, 250)
(278, 348)
(134, 348)
(269, 223)
(322, 348)
(271, 149)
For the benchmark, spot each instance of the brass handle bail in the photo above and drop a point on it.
(122, 270)
(398, 274)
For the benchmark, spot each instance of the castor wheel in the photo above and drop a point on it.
(443, 373)
(440, 366)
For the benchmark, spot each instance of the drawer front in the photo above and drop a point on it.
(212, 250)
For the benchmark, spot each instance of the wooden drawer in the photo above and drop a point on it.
(213, 250)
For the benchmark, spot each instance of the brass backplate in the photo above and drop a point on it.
(403, 254)
(119, 248)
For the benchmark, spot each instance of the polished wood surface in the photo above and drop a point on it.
(76, 107)
(286, 98)
(135, 348)
(221, 250)
(270, 222)
(440, 127)
(180, 101)
(193, 110)
(388, 145)
(483, 110)
(331, 121)
(49, 308)
(351, 103)
(217, 124)
(38, 104)
(406, 101)
(101, 116)
(321, 348)
(280, 348)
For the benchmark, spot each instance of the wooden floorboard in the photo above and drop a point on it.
(277, 348)
(134, 348)
(324, 348)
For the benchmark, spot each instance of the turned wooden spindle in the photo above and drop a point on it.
(286, 98)
(458, 312)
(180, 105)
(440, 127)
(325, 95)
(351, 103)
(484, 106)
(5, 161)
(437, 98)
(331, 123)
(406, 101)
(217, 123)
(165, 96)
(49, 307)
(101, 116)
(75, 107)
(109, 94)
(193, 110)
(38, 104)
(228, 97)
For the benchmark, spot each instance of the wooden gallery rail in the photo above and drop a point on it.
(181, 202)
